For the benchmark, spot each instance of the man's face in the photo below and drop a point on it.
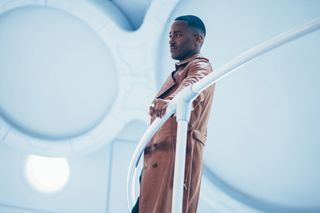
(182, 41)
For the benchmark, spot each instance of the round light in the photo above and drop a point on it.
(47, 174)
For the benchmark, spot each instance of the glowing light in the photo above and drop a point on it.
(47, 174)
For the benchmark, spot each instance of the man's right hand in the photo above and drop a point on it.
(158, 107)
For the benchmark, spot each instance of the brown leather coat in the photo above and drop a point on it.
(157, 176)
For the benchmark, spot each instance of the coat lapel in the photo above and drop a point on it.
(171, 82)
(168, 84)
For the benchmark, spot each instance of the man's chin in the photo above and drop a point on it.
(174, 57)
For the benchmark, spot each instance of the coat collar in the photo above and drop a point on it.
(185, 61)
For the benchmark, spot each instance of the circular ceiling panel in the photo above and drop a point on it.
(58, 78)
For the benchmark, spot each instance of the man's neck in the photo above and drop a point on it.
(189, 56)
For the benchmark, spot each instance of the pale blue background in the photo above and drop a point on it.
(59, 79)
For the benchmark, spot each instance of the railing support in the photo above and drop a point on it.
(184, 104)
(179, 166)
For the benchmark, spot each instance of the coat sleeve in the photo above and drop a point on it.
(196, 71)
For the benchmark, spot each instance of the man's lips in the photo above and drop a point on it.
(173, 48)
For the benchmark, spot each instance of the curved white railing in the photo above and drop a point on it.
(181, 105)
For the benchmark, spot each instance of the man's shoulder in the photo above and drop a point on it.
(200, 62)
(202, 58)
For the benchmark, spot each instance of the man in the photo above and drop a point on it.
(186, 35)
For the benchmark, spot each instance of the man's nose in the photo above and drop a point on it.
(171, 40)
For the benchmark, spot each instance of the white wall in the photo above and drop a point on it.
(80, 86)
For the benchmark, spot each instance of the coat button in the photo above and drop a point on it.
(154, 165)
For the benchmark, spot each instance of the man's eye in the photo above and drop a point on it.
(174, 36)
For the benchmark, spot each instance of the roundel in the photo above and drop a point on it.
(59, 79)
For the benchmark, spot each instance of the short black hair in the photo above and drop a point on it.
(193, 21)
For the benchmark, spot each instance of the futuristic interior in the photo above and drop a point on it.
(77, 78)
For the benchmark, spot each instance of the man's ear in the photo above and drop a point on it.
(199, 39)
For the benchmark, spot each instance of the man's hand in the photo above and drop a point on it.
(158, 107)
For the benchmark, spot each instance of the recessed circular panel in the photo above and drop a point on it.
(57, 76)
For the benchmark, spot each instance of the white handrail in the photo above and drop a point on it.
(186, 96)
(254, 52)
